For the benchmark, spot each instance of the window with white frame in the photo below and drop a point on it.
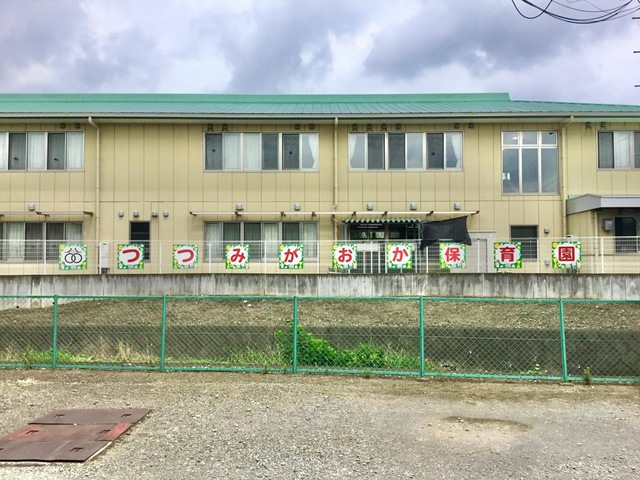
(619, 150)
(405, 151)
(32, 242)
(530, 162)
(41, 151)
(263, 238)
(261, 151)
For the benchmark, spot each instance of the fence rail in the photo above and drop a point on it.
(600, 255)
(564, 340)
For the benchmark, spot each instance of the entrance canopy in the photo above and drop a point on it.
(585, 203)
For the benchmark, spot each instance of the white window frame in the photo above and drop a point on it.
(633, 162)
(424, 164)
(313, 141)
(38, 163)
(521, 145)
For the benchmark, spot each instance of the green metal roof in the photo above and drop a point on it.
(384, 106)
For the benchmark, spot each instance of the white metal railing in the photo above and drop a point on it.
(600, 255)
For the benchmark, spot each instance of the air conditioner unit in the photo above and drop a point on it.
(103, 256)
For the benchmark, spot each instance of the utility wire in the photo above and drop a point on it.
(580, 15)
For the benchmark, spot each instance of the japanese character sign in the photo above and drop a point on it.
(566, 254)
(507, 255)
(72, 257)
(185, 256)
(236, 257)
(453, 255)
(131, 256)
(291, 257)
(399, 255)
(345, 256)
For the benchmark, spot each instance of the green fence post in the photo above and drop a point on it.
(294, 360)
(563, 342)
(163, 333)
(54, 339)
(422, 336)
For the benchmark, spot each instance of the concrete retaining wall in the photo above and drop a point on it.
(576, 286)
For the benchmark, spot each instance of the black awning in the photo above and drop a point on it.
(383, 220)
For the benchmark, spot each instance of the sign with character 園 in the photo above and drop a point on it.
(566, 255)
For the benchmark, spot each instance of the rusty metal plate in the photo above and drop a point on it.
(93, 416)
(48, 433)
(65, 451)
(68, 435)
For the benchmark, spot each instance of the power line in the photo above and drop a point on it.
(583, 16)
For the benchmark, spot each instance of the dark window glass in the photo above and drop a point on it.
(17, 151)
(56, 151)
(33, 249)
(140, 233)
(213, 154)
(253, 237)
(396, 151)
(291, 232)
(375, 145)
(55, 236)
(626, 228)
(291, 151)
(528, 237)
(605, 149)
(270, 151)
(435, 150)
(636, 149)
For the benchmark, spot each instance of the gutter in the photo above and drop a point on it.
(97, 207)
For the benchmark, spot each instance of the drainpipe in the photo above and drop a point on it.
(335, 178)
(563, 175)
(96, 214)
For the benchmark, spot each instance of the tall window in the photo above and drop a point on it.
(528, 237)
(405, 151)
(35, 241)
(41, 151)
(261, 151)
(529, 162)
(619, 150)
(263, 238)
(140, 232)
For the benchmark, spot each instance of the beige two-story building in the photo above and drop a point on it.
(263, 170)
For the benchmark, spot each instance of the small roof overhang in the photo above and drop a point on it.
(382, 220)
(585, 203)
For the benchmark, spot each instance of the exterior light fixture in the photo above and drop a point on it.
(31, 207)
(456, 206)
(154, 213)
(136, 213)
(239, 206)
(369, 206)
(413, 206)
(297, 206)
(165, 213)
(121, 213)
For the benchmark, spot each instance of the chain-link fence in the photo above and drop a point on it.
(566, 340)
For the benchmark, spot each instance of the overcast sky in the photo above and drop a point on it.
(314, 46)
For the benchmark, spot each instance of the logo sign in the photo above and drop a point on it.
(131, 256)
(185, 256)
(236, 257)
(507, 255)
(453, 255)
(399, 255)
(566, 254)
(291, 257)
(72, 257)
(345, 256)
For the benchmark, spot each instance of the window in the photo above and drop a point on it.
(35, 241)
(41, 151)
(529, 162)
(261, 151)
(528, 237)
(619, 150)
(405, 151)
(263, 238)
(139, 232)
(626, 232)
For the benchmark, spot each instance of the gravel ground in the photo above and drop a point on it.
(246, 426)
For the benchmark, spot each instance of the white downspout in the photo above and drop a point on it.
(335, 178)
(563, 175)
(96, 213)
